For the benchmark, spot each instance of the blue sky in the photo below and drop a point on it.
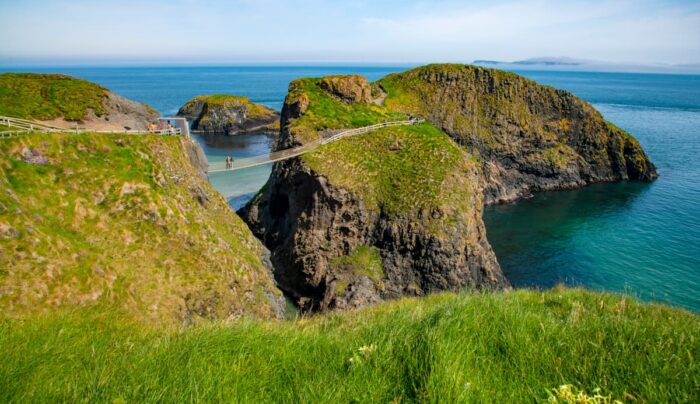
(303, 31)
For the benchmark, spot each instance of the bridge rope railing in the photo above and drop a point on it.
(248, 162)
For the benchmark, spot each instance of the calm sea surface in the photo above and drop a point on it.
(642, 239)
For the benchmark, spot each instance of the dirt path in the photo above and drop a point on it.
(380, 100)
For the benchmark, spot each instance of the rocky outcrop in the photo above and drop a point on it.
(340, 241)
(528, 137)
(352, 88)
(121, 114)
(230, 115)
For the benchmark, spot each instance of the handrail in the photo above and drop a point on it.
(248, 162)
(30, 126)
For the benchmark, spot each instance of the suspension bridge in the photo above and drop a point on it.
(248, 162)
(22, 126)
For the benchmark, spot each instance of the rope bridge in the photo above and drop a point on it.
(20, 126)
(248, 162)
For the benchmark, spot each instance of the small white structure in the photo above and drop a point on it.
(179, 126)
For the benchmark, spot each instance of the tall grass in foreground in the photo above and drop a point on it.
(496, 347)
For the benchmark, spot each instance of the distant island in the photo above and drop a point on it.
(577, 64)
(548, 61)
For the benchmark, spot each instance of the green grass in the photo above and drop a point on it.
(500, 347)
(422, 159)
(49, 96)
(114, 220)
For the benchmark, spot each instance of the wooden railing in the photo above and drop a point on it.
(24, 126)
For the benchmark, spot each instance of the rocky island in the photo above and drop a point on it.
(67, 102)
(229, 114)
(398, 211)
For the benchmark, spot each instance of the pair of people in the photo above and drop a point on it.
(229, 162)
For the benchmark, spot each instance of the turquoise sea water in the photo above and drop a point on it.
(640, 238)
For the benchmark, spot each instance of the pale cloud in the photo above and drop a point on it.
(358, 31)
(508, 31)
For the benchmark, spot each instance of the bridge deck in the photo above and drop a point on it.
(25, 126)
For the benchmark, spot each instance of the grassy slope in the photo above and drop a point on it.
(115, 220)
(49, 96)
(366, 165)
(499, 347)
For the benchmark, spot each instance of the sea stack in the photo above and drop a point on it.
(229, 114)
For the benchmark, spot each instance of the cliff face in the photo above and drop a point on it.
(67, 102)
(528, 137)
(228, 114)
(124, 221)
(390, 213)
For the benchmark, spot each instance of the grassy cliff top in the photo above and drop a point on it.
(326, 111)
(495, 347)
(49, 96)
(255, 111)
(123, 221)
(477, 101)
(399, 169)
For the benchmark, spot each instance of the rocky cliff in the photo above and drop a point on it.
(398, 211)
(67, 102)
(390, 213)
(229, 114)
(126, 222)
(528, 137)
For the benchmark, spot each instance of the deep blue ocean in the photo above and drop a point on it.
(642, 239)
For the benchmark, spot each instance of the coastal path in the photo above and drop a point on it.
(20, 126)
